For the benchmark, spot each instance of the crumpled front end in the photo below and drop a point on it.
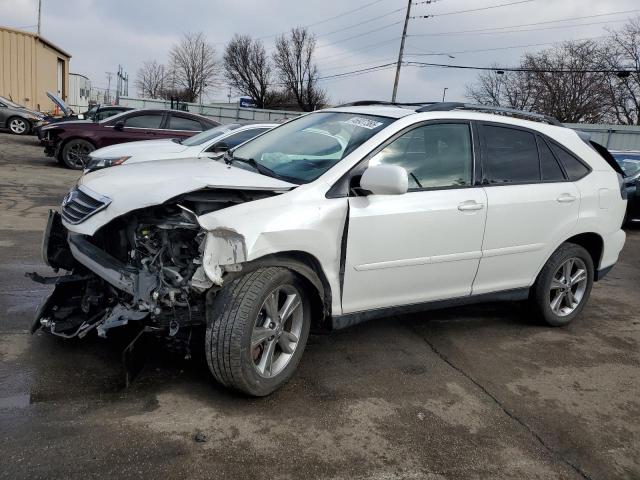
(143, 268)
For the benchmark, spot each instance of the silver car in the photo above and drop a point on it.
(16, 118)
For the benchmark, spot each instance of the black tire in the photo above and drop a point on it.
(73, 152)
(541, 292)
(19, 126)
(232, 315)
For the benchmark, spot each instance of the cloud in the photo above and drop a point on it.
(104, 34)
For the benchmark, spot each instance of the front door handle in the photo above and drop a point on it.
(566, 198)
(470, 205)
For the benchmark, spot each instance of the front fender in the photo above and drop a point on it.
(285, 223)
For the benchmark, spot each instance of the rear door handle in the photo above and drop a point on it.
(470, 205)
(566, 198)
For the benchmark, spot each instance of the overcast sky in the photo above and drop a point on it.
(102, 34)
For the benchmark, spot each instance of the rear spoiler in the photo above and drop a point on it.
(604, 153)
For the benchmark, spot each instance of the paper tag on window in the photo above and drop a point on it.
(363, 123)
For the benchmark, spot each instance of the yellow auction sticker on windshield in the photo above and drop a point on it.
(363, 123)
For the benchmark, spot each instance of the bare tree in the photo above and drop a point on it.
(151, 80)
(622, 54)
(563, 84)
(501, 89)
(293, 58)
(193, 65)
(559, 81)
(247, 68)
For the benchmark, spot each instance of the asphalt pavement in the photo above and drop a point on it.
(475, 392)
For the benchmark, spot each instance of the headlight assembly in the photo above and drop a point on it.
(97, 163)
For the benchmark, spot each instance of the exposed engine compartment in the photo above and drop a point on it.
(144, 266)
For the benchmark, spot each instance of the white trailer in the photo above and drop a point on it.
(79, 92)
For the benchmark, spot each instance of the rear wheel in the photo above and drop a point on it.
(564, 285)
(75, 153)
(19, 126)
(257, 329)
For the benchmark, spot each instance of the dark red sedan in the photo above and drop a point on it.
(71, 142)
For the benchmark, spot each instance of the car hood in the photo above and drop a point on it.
(145, 184)
(60, 103)
(146, 147)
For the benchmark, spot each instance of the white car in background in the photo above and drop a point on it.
(210, 143)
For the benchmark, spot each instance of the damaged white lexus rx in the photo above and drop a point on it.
(336, 217)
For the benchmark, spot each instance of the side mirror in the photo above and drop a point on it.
(119, 125)
(220, 147)
(385, 180)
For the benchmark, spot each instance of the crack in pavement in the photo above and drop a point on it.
(510, 414)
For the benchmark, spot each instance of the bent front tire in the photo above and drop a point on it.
(257, 328)
(563, 286)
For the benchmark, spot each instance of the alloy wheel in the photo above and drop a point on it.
(568, 286)
(77, 154)
(18, 126)
(277, 330)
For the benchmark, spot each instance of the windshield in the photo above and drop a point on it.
(9, 103)
(207, 135)
(629, 162)
(305, 148)
(91, 112)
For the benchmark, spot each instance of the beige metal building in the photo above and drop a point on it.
(31, 66)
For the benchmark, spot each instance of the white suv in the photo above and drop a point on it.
(333, 218)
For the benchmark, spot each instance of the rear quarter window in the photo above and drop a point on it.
(575, 168)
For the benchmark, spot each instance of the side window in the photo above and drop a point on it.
(435, 156)
(184, 123)
(106, 114)
(144, 121)
(549, 166)
(237, 138)
(511, 156)
(574, 167)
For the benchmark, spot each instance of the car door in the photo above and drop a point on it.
(425, 244)
(180, 126)
(531, 206)
(132, 127)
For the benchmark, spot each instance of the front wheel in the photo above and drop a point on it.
(564, 285)
(19, 126)
(257, 329)
(75, 153)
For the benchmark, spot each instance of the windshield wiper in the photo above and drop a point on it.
(229, 158)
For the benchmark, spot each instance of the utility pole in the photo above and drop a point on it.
(404, 35)
(39, 14)
(444, 93)
(109, 75)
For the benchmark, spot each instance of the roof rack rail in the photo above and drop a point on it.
(448, 106)
(361, 103)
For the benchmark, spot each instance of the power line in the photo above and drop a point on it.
(359, 71)
(490, 29)
(359, 23)
(503, 48)
(362, 7)
(472, 9)
(365, 48)
(359, 35)
(324, 69)
(516, 69)
(340, 15)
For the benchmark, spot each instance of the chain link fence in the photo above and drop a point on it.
(222, 112)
